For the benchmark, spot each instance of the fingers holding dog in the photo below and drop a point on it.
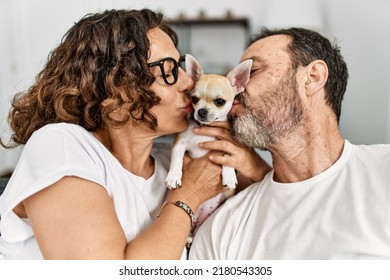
(243, 159)
(219, 130)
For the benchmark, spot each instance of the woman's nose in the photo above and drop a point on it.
(186, 82)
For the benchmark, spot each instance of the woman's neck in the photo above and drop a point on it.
(131, 147)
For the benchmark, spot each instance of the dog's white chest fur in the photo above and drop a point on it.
(191, 141)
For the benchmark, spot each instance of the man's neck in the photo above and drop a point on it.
(307, 155)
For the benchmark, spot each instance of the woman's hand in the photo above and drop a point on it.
(243, 159)
(201, 180)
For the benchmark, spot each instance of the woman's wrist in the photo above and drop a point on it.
(182, 206)
(183, 195)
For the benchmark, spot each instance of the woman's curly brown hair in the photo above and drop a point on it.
(104, 55)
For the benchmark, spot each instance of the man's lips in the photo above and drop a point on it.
(237, 99)
(236, 102)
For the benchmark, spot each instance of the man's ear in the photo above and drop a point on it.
(193, 68)
(316, 76)
(239, 76)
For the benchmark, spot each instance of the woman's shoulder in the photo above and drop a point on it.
(58, 129)
(60, 135)
(68, 142)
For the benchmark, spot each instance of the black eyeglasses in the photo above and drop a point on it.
(169, 68)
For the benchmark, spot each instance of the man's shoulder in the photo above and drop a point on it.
(381, 146)
(248, 191)
(379, 151)
(245, 199)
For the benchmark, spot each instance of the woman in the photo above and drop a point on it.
(90, 184)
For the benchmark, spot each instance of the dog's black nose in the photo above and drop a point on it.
(202, 113)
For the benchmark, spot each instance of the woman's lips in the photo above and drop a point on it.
(188, 108)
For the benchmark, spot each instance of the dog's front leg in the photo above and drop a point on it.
(173, 179)
(229, 177)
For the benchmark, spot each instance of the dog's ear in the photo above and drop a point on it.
(193, 68)
(239, 76)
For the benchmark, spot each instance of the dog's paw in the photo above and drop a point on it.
(229, 178)
(230, 184)
(173, 180)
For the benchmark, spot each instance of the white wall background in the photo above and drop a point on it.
(30, 29)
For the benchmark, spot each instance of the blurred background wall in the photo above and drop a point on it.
(30, 29)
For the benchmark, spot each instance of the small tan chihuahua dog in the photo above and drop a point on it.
(212, 99)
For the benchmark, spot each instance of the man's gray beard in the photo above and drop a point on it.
(248, 130)
(279, 116)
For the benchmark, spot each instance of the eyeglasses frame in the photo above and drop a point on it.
(176, 64)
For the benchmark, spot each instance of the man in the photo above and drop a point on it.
(326, 198)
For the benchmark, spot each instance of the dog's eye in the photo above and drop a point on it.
(219, 102)
(194, 99)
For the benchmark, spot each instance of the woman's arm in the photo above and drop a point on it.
(75, 219)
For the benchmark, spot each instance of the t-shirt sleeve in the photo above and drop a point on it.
(50, 154)
(53, 153)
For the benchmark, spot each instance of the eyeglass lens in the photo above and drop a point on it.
(171, 69)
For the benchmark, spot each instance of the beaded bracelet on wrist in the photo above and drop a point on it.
(182, 206)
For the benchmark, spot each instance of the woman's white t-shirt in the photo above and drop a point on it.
(59, 150)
